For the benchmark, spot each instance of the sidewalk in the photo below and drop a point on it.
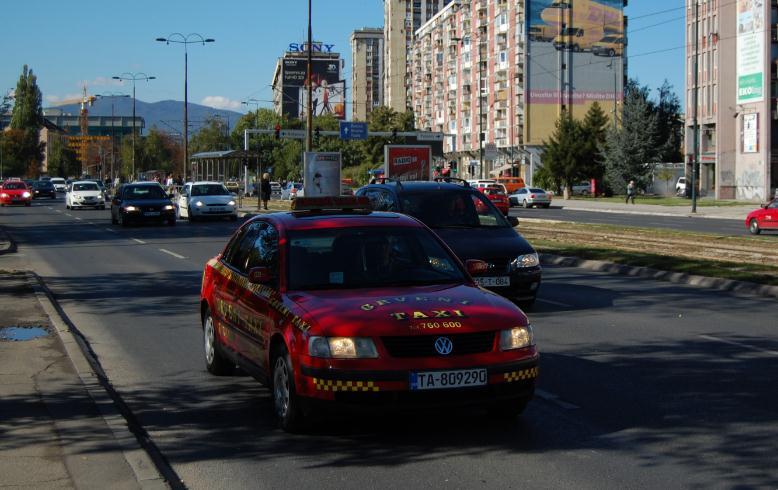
(58, 426)
(718, 212)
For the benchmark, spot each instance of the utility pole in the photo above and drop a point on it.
(695, 131)
(309, 109)
(481, 135)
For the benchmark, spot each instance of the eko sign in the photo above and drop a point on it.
(317, 47)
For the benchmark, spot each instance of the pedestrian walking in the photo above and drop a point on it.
(631, 190)
(265, 189)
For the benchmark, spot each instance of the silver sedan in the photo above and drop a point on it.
(530, 196)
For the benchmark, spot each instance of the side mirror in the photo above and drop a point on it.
(514, 221)
(476, 267)
(261, 275)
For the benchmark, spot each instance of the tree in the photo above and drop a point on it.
(564, 155)
(595, 129)
(631, 149)
(669, 124)
(63, 161)
(211, 137)
(27, 113)
(21, 152)
(666, 174)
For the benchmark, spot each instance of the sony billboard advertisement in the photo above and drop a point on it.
(575, 58)
(324, 72)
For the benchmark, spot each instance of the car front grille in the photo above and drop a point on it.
(424, 345)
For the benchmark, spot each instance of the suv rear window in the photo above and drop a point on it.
(457, 209)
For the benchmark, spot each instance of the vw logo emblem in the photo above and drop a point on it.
(444, 346)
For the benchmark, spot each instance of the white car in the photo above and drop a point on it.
(83, 194)
(59, 184)
(199, 200)
(680, 186)
(292, 190)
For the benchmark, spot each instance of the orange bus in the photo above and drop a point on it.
(511, 183)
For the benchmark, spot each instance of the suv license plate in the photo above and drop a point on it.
(493, 281)
(151, 213)
(437, 380)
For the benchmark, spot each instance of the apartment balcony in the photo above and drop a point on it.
(501, 142)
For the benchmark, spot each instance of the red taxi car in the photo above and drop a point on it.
(764, 218)
(15, 192)
(347, 307)
(498, 197)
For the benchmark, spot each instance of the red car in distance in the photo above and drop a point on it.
(15, 192)
(333, 305)
(498, 197)
(764, 218)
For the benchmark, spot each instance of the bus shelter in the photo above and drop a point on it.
(221, 166)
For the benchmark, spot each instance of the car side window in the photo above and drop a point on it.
(264, 250)
(381, 200)
(774, 205)
(239, 256)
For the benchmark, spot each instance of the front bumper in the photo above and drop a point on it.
(204, 211)
(139, 216)
(390, 389)
(21, 201)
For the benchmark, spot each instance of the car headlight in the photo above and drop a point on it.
(168, 207)
(130, 208)
(25, 194)
(526, 260)
(199, 204)
(231, 203)
(342, 347)
(3, 195)
(517, 338)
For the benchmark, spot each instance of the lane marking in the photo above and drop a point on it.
(59, 210)
(745, 346)
(79, 219)
(90, 223)
(68, 214)
(139, 241)
(111, 230)
(555, 303)
(172, 253)
(552, 398)
(49, 207)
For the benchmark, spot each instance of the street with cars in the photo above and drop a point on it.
(640, 384)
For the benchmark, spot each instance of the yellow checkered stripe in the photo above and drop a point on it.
(337, 385)
(521, 375)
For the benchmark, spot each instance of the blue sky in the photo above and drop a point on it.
(67, 43)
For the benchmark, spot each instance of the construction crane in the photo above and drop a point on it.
(81, 143)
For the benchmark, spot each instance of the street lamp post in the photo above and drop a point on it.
(258, 180)
(133, 77)
(112, 96)
(179, 38)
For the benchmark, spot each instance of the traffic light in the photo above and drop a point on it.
(278, 131)
(453, 165)
(316, 135)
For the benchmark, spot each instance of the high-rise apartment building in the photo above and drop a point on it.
(505, 70)
(401, 19)
(367, 72)
(736, 110)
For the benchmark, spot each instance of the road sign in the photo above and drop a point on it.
(353, 130)
(490, 151)
(293, 133)
(422, 136)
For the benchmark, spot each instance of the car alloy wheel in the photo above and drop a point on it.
(753, 227)
(285, 401)
(281, 387)
(525, 204)
(215, 362)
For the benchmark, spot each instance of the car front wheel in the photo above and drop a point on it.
(215, 362)
(286, 404)
(753, 227)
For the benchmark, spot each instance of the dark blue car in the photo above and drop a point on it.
(471, 226)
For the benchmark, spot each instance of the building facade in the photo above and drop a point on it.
(495, 75)
(732, 45)
(401, 20)
(367, 72)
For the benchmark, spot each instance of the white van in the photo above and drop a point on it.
(59, 184)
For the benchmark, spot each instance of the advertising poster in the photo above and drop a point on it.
(750, 133)
(750, 51)
(321, 174)
(328, 98)
(406, 162)
(574, 58)
(293, 77)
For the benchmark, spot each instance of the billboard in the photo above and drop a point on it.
(407, 162)
(293, 77)
(328, 98)
(575, 58)
(750, 51)
(321, 174)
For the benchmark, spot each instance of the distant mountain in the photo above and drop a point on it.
(166, 115)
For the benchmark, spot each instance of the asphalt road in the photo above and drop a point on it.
(684, 223)
(643, 384)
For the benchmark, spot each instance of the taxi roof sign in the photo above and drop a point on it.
(331, 203)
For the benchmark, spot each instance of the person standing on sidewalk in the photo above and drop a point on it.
(631, 190)
(265, 189)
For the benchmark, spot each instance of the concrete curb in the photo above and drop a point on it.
(717, 283)
(7, 244)
(150, 468)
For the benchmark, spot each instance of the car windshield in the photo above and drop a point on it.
(42, 184)
(458, 209)
(86, 186)
(538, 191)
(209, 190)
(368, 258)
(145, 192)
(609, 39)
(15, 185)
(493, 191)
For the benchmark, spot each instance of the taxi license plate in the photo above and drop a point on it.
(437, 380)
(217, 210)
(493, 281)
(151, 213)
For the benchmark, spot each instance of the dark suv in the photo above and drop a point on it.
(471, 226)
